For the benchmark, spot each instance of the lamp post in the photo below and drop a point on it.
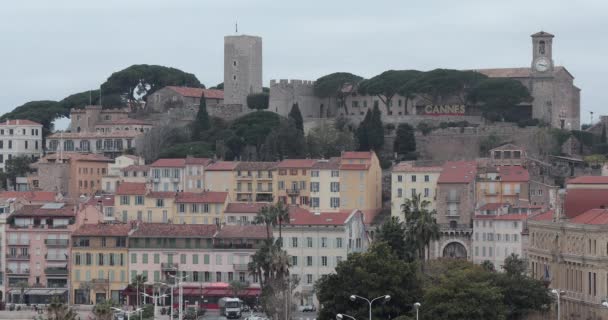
(154, 299)
(558, 293)
(341, 316)
(417, 306)
(181, 295)
(370, 302)
(128, 313)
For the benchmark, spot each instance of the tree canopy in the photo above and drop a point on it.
(202, 122)
(499, 98)
(387, 84)
(258, 101)
(405, 142)
(337, 84)
(43, 112)
(370, 133)
(296, 116)
(437, 84)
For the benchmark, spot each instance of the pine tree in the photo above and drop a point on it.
(362, 132)
(405, 141)
(201, 123)
(296, 116)
(376, 130)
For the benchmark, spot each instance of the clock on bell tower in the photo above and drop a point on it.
(542, 53)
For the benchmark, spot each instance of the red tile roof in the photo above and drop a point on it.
(544, 216)
(131, 188)
(33, 196)
(161, 194)
(244, 207)
(513, 174)
(198, 92)
(503, 217)
(505, 72)
(180, 162)
(354, 166)
(135, 167)
(256, 165)
(106, 200)
(103, 229)
(174, 230)
(198, 161)
(296, 163)
(299, 217)
(408, 166)
(204, 197)
(458, 172)
(38, 211)
(243, 232)
(20, 122)
(331, 164)
(578, 201)
(589, 180)
(357, 155)
(593, 216)
(222, 166)
(491, 206)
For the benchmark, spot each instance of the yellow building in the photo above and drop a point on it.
(325, 185)
(360, 182)
(219, 176)
(254, 181)
(293, 180)
(99, 263)
(200, 208)
(408, 179)
(502, 184)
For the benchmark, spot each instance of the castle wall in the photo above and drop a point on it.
(284, 93)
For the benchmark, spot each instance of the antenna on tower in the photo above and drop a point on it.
(236, 27)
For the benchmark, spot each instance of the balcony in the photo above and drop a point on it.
(156, 180)
(169, 266)
(18, 271)
(453, 213)
(18, 257)
(244, 177)
(293, 192)
(264, 176)
(49, 257)
(452, 199)
(56, 271)
(455, 226)
(264, 190)
(240, 267)
(57, 242)
(233, 246)
(307, 288)
(18, 243)
(244, 198)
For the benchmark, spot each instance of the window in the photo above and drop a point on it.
(314, 187)
(426, 178)
(309, 278)
(294, 242)
(427, 192)
(334, 202)
(309, 242)
(309, 261)
(314, 202)
(399, 193)
(338, 242)
(323, 242)
(335, 186)
(324, 261)
(100, 261)
(294, 260)
(133, 258)
(413, 192)
(156, 258)
(335, 173)
(139, 200)
(160, 203)
(182, 258)
(124, 200)
(144, 258)
(314, 173)
(413, 178)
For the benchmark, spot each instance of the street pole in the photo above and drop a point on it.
(370, 302)
(172, 289)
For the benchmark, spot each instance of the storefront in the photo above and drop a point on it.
(36, 296)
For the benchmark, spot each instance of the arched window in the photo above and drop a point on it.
(541, 47)
(68, 145)
(85, 145)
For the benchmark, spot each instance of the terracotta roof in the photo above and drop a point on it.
(544, 216)
(204, 197)
(198, 161)
(38, 211)
(296, 163)
(331, 164)
(135, 167)
(198, 92)
(103, 229)
(107, 200)
(96, 135)
(174, 230)
(354, 166)
(222, 166)
(131, 188)
(578, 201)
(77, 157)
(592, 216)
(161, 194)
(20, 122)
(491, 206)
(503, 217)
(357, 155)
(242, 232)
(180, 162)
(300, 217)
(513, 174)
(236, 207)
(589, 180)
(458, 172)
(409, 166)
(255, 165)
(35, 196)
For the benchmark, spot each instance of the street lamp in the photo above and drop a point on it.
(128, 313)
(558, 293)
(181, 295)
(386, 298)
(154, 299)
(417, 306)
(341, 316)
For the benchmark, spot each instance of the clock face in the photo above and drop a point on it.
(542, 65)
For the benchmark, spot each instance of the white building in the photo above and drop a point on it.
(186, 174)
(117, 173)
(317, 242)
(496, 237)
(19, 138)
(408, 179)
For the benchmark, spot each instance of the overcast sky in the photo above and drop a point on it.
(50, 49)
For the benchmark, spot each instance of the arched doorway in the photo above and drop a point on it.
(455, 250)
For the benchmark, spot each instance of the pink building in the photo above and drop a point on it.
(208, 257)
(38, 249)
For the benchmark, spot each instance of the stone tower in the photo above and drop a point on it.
(542, 53)
(242, 68)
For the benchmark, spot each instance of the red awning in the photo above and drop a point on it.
(217, 292)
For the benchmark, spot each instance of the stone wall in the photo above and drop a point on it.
(284, 93)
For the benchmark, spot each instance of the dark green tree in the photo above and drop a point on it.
(201, 123)
(437, 85)
(374, 273)
(392, 232)
(421, 224)
(499, 98)
(327, 140)
(514, 265)
(375, 130)
(43, 112)
(17, 167)
(405, 142)
(339, 85)
(488, 266)
(258, 101)
(387, 84)
(362, 133)
(285, 141)
(253, 128)
(296, 116)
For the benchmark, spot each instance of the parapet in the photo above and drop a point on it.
(292, 82)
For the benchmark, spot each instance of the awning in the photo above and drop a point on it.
(218, 292)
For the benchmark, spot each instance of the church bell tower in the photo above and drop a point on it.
(542, 54)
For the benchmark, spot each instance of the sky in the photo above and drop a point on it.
(51, 49)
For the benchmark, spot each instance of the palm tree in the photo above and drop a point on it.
(281, 212)
(421, 225)
(266, 216)
(138, 282)
(59, 311)
(103, 310)
(22, 285)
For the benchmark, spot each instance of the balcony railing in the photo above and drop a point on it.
(452, 199)
(18, 257)
(56, 271)
(57, 242)
(455, 226)
(293, 191)
(453, 213)
(169, 266)
(17, 271)
(18, 243)
(240, 267)
(263, 190)
(246, 177)
(53, 257)
(233, 246)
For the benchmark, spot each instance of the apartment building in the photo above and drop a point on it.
(254, 182)
(99, 266)
(361, 181)
(185, 174)
(409, 178)
(72, 174)
(495, 237)
(20, 138)
(219, 176)
(239, 213)
(503, 184)
(316, 243)
(293, 179)
(116, 172)
(38, 249)
(205, 207)
(325, 185)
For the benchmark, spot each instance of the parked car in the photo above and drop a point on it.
(307, 308)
